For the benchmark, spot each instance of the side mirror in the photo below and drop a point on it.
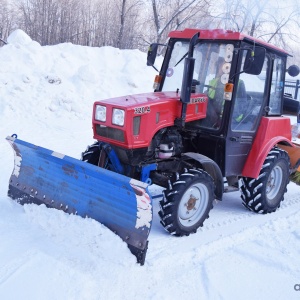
(293, 70)
(152, 52)
(254, 60)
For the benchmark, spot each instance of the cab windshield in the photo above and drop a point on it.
(211, 73)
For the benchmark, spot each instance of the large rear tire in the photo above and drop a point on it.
(187, 202)
(264, 194)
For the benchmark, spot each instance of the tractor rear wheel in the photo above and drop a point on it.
(264, 194)
(187, 202)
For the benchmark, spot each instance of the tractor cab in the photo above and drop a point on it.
(243, 79)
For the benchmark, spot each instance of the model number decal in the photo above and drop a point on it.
(141, 110)
(198, 100)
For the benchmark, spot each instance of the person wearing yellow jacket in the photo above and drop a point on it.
(215, 94)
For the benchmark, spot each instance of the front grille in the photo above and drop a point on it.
(111, 133)
(136, 125)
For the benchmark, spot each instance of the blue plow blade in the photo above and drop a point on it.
(122, 204)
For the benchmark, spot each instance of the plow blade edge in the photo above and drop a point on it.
(122, 204)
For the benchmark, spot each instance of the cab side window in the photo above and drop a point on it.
(249, 99)
(276, 87)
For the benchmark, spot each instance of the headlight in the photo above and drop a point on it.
(118, 117)
(100, 113)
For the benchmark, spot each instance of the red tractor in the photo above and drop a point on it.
(213, 124)
(215, 117)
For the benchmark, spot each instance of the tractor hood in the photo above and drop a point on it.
(132, 101)
(118, 120)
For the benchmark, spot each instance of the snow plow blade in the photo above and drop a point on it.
(122, 204)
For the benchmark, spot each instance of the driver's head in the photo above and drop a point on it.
(219, 66)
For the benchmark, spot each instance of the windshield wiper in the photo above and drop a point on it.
(181, 59)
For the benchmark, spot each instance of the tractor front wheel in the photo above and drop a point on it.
(95, 155)
(187, 202)
(264, 194)
(91, 154)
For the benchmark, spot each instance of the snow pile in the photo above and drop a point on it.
(19, 37)
(46, 98)
(48, 88)
(63, 81)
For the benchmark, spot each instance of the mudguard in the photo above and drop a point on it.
(122, 204)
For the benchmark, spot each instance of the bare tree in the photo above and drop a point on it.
(122, 24)
(128, 24)
(173, 15)
(6, 16)
(130, 16)
(275, 21)
(38, 18)
(269, 20)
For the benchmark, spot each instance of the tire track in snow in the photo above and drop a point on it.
(261, 219)
(248, 214)
(225, 224)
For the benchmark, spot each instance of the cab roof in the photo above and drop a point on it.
(221, 34)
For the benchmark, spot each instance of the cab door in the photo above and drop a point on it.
(249, 104)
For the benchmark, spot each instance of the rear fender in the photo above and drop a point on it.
(122, 204)
(271, 132)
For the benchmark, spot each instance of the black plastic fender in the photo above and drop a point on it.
(212, 169)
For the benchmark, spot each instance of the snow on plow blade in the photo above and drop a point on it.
(122, 204)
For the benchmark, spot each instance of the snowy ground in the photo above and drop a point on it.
(46, 98)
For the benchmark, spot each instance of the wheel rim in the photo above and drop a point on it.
(274, 183)
(193, 204)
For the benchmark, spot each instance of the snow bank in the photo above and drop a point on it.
(19, 37)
